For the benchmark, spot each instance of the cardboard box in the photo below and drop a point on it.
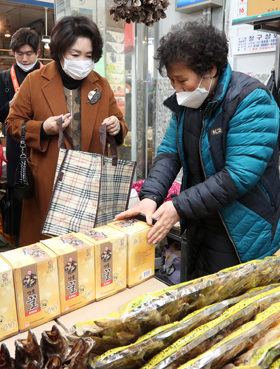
(36, 284)
(8, 310)
(76, 270)
(256, 7)
(140, 252)
(110, 259)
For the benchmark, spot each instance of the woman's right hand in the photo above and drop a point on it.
(51, 127)
(146, 206)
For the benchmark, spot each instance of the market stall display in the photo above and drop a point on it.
(227, 320)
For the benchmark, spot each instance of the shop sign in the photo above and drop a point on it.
(44, 3)
(254, 42)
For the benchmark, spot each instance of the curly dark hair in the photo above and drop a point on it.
(197, 45)
(68, 29)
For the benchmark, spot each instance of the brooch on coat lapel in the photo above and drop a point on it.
(94, 96)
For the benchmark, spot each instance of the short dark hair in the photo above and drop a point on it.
(25, 36)
(68, 29)
(199, 46)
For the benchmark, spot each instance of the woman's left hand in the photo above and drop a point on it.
(167, 216)
(113, 125)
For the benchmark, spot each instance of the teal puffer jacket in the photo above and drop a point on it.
(239, 155)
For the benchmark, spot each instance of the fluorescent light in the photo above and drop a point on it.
(7, 33)
(46, 38)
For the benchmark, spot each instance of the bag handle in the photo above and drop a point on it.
(62, 134)
(22, 141)
(113, 145)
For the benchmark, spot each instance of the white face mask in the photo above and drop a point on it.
(78, 69)
(26, 68)
(193, 99)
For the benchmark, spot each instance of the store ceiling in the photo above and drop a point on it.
(21, 15)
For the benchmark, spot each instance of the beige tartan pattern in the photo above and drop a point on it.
(88, 192)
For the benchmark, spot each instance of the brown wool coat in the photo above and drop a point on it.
(41, 96)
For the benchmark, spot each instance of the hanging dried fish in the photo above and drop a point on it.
(139, 11)
(28, 350)
(6, 362)
(53, 343)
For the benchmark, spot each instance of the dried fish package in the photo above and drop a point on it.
(138, 354)
(275, 364)
(237, 342)
(204, 337)
(271, 336)
(150, 311)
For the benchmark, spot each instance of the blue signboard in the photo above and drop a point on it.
(181, 3)
(48, 4)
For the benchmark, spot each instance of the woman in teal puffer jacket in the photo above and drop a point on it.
(223, 132)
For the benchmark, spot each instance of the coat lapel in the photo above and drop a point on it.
(89, 111)
(53, 90)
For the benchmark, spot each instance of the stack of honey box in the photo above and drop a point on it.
(55, 276)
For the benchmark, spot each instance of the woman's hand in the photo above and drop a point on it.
(51, 126)
(167, 216)
(146, 206)
(113, 125)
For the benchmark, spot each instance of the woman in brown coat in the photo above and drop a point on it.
(62, 88)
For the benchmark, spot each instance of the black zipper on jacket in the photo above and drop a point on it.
(203, 169)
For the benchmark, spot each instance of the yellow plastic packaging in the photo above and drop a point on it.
(237, 342)
(153, 310)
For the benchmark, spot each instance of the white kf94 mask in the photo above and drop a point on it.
(193, 99)
(78, 69)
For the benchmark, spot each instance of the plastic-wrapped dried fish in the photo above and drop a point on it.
(245, 359)
(136, 355)
(205, 336)
(6, 362)
(275, 364)
(28, 350)
(237, 342)
(53, 343)
(150, 311)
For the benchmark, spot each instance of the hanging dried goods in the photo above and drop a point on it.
(139, 11)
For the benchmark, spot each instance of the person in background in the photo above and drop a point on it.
(25, 44)
(223, 132)
(63, 88)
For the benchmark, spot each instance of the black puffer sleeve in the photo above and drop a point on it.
(163, 173)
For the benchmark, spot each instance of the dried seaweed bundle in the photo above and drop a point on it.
(136, 355)
(175, 303)
(205, 336)
(139, 11)
(237, 342)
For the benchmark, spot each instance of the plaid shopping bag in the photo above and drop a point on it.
(89, 190)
